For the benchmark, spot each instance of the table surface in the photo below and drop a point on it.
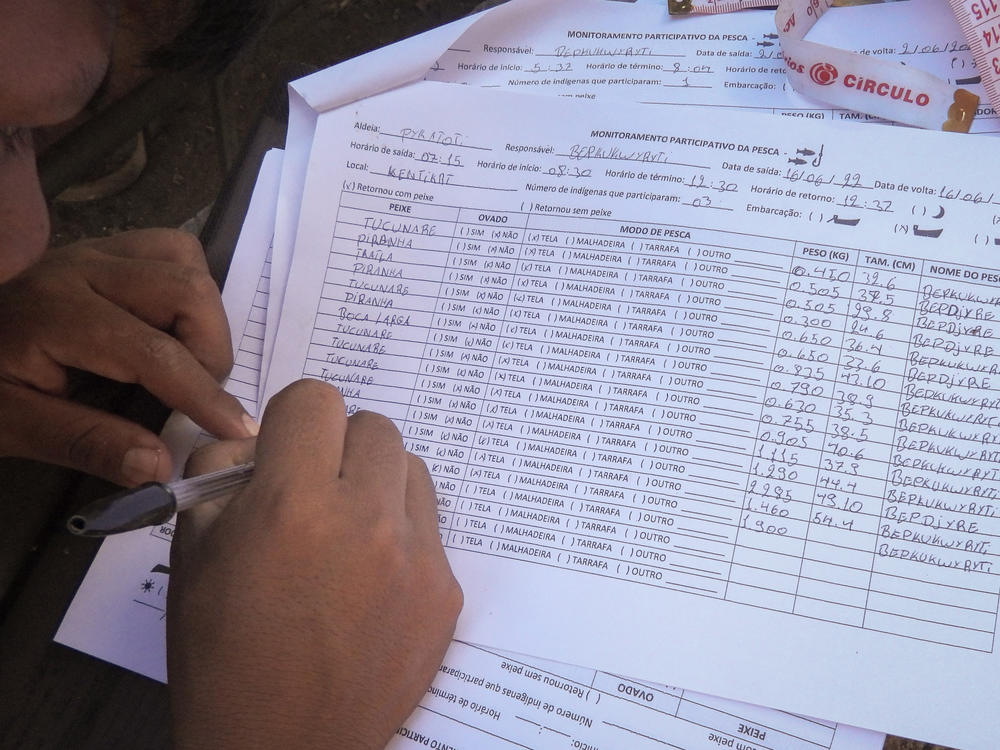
(52, 696)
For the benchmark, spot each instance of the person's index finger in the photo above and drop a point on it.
(123, 348)
(174, 296)
(301, 442)
(168, 370)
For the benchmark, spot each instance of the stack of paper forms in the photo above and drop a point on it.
(705, 373)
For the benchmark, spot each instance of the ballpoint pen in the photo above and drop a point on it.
(156, 502)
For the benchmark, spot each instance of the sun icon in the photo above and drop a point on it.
(146, 586)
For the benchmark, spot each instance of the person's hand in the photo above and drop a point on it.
(314, 609)
(138, 307)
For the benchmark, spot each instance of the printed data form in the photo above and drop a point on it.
(479, 699)
(487, 700)
(709, 403)
(637, 52)
(601, 49)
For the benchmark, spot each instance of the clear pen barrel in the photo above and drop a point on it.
(212, 486)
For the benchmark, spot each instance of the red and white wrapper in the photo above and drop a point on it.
(890, 90)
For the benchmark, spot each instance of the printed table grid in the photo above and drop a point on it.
(784, 731)
(797, 427)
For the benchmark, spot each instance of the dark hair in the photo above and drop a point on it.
(216, 31)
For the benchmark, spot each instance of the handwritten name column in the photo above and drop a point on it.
(934, 574)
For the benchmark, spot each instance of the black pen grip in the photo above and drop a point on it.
(146, 505)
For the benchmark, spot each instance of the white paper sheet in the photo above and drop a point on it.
(480, 699)
(487, 700)
(686, 387)
(542, 46)
(594, 49)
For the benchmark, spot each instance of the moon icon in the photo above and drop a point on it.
(940, 212)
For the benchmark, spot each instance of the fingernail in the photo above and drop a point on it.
(140, 465)
(252, 427)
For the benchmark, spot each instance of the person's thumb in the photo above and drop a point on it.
(47, 428)
(216, 456)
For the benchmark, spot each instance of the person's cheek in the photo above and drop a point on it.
(24, 217)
